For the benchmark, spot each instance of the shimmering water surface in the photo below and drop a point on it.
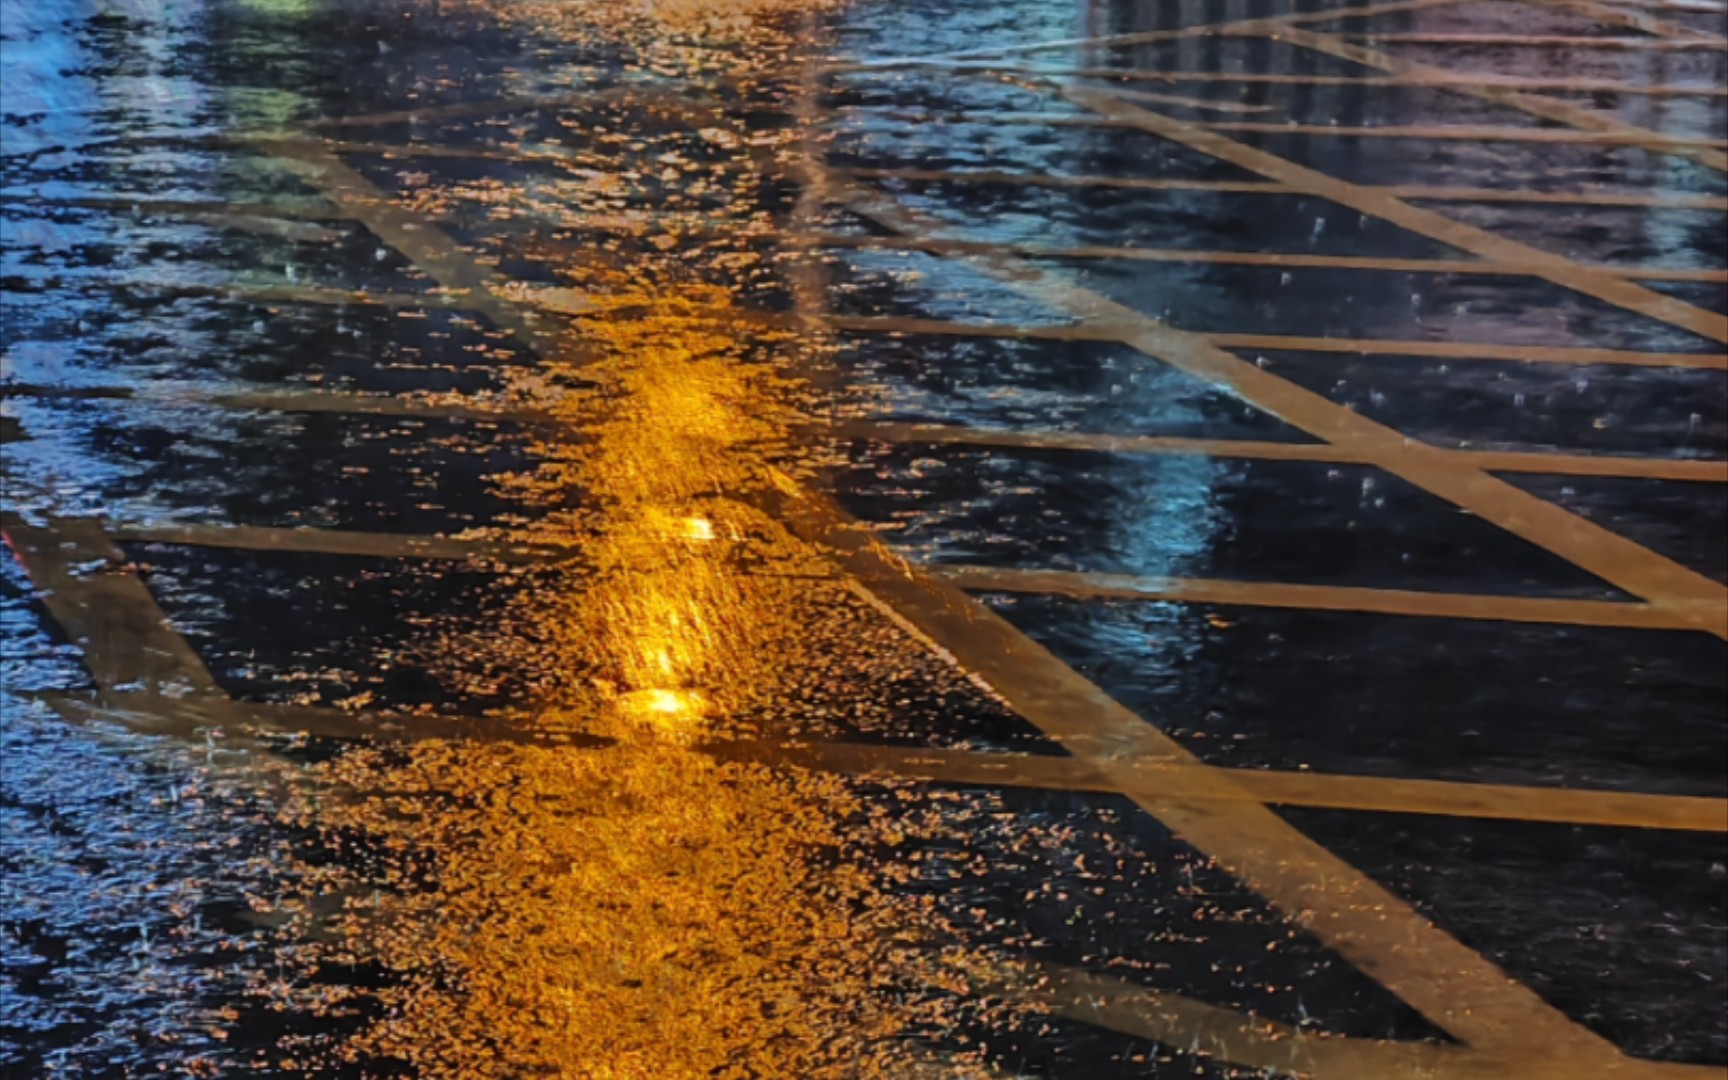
(482, 479)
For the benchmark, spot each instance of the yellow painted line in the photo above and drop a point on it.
(340, 542)
(1433, 605)
(299, 401)
(435, 253)
(1631, 567)
(360, 404)
(1437, 79)
(1533, 268)
(1378, 933)
(898, 324)
(1494, 801)
(458, 110)
(1464, 350)
(1449, 350)
(1534, 104)
(1435, 192)
(1554, 464)
(1628, 20)
(1541, 41)
(1561, 271)
(1143, 1012)
(1185, 1023)
(1375, 794)
(103, 607)
(296, 294)
(187, 718)
(1611, 133)
(1133, 183)
(292, 209)
(1446, 193)
(1469, 133)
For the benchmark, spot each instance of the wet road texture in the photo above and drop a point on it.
(764, 538)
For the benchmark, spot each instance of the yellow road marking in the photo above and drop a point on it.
(1154, 778)
(1608, 133)
(1434, 605)
(1630, 566)
(1469, 133)
(1366, 924)
(1255, 1042)
(1534, 268)
(340, 542)
(1437, 78)
(1542, 41)
(1438, 193)
(1553, 464)
(1629, 20)
(103, 607)
(1209, 1031)
(188, 718)
(1558, 269)
(1560, 611)
(1448, 350)
(1535, 105)
(1465, 350)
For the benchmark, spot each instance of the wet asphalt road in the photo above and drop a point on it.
(776, 539)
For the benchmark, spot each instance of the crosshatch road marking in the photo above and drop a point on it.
(1362, 921)
(1502, 1013)
(1613, 558)
(1560, 270)
(1447, 982)
(1439, 977)
(1535, 105)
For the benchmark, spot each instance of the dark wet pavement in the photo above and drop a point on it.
(781, 539)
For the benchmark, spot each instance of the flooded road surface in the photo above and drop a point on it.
(783, 538)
